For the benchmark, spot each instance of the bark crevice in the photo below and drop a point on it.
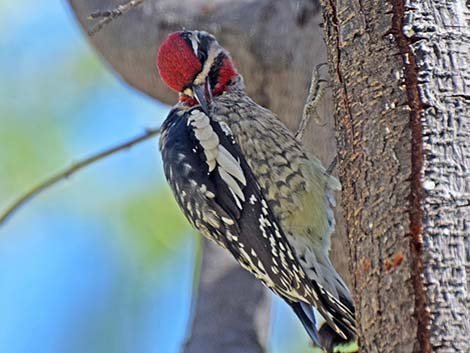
(416, 214)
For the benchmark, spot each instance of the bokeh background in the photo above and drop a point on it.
(103, 262)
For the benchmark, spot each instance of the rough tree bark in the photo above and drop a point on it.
(275, 44)
(402, 85)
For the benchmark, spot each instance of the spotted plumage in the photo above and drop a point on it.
(224, 190)
(243, 180)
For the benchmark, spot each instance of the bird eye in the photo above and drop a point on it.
(202, 56)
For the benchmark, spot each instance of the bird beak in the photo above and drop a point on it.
(203, 95)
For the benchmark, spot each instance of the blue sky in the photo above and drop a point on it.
(76, 272)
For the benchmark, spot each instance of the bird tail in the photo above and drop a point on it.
(324, 336)
(338, 312)
(332, 343)
(306, 316)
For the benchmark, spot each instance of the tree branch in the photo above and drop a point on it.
(274, 44)
(315, 94)
(67, 172)
(108, 15)
(231, 307)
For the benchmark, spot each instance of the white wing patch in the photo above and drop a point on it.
(217, 155)
(230, 164)
(206, 136)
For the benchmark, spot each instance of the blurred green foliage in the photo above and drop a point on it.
(22, 162)
(156, 220)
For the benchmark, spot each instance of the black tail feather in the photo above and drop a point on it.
(329, 338)
(324, 337)
(305, 313)
(343, 312)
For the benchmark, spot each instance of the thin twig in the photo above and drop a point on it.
(108, 15)
(332, 165)
(315, 93)
(75, 167)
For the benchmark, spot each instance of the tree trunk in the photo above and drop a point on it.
(402, 86)
(231, 311)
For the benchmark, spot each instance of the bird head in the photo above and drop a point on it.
(195, 65)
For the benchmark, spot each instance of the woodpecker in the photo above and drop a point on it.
(243, 180)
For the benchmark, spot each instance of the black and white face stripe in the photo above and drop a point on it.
(200, 42)
(209, 53)
(192, 40)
